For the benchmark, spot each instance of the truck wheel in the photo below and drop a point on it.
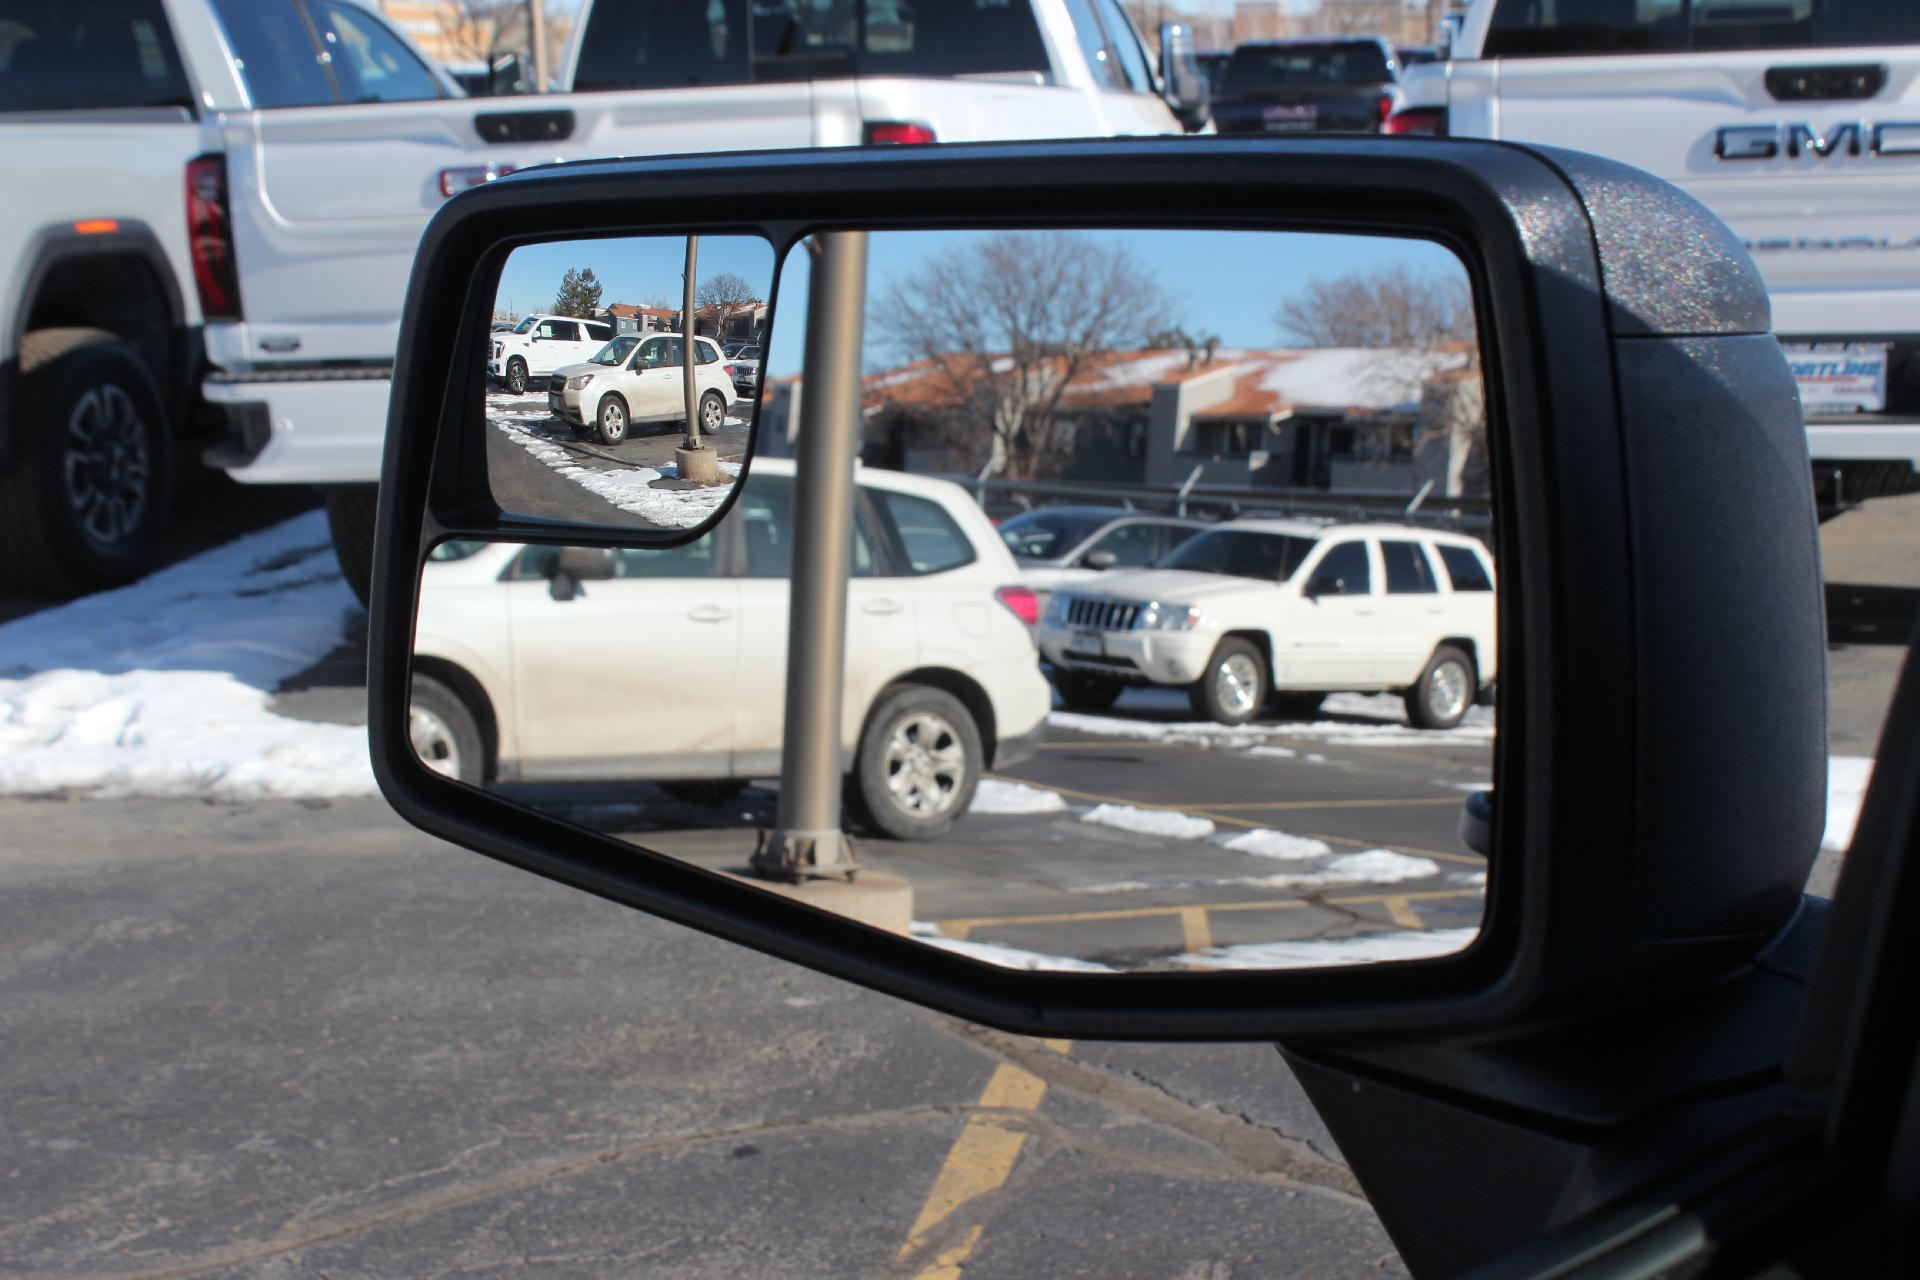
(610, 427)
(517, 376)
(918, 763)
(1085, 692)
(713, 412)
(1440, 698)
(350, 513)
(444, 733)
(85, 501)
(1232, 688)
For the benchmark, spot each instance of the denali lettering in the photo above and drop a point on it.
(1772, 244)
(1854, 137)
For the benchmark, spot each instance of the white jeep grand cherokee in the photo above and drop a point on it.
(1298, 610)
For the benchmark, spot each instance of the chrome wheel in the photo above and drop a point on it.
(1236, 684)
(713, 413)
(926, 764)
(108, 466)
(516, 377)
(1449, 689)
(434, 742)
(613, 421)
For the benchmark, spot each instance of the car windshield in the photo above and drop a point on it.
(526, 326)
(1240, 553)
(747, 353)
(1043, 535)
(617, 351)
(1572, 28)
(645, 44)
(1265, 68)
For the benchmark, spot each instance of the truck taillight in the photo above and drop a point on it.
(1411, 120)
(210, 239)
(1021, 600)
(729, 369)
(899, 132)
(1383, 109)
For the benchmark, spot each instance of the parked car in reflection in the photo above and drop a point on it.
(745, 362)
(1258, 611)
(1063, 546)
(541, 343)
(640, 379)
(1306, 86)
(542, 663)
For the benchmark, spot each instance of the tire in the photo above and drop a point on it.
(713, 412)
(350, 513)
(1439, 699)
(917, 766)
(708, 793)
(517, 376)
(610, 421)
(1296, 706)
(1086, 693)
(445, 735)
(1234, 685)
(91, 487)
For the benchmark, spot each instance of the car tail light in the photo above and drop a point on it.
(1021, 600)
(729, 369)
(899, 132)
(1383, 109)
(1411, 120)
(210, 239)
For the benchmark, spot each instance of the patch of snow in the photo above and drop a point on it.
(1267, 843)
(1316, 953)
(1375, 866)
(1273, 753)
(1012, 957)
(994, 796)
(1847, 778)
(631, 489)
(162, 688)
(1199, 733)
(1150, 822)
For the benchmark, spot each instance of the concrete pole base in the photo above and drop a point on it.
(699, 466)
(872, 898)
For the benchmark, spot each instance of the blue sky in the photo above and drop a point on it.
(1221, 282)
(631, 269)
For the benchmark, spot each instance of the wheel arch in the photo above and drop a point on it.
(467, 687)
(1260, 639)
(969, 691)
(1464, 644)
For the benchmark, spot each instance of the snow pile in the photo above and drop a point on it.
(1317, 953)
(1267, 843)
(1847, 778)
(1375, 866)
(1005, 957)
(161, 688)
(630, 489)
(1149, 822)
(1193, 733)
(995, 796)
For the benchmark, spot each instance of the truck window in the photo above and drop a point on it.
(1101, 61)
(1262, 68)
(273, 48)
(369, 61)
(1408, 570)
(665, 44)
(1465, 569)
(1125, 41)
(1576, 28)
(88, 55)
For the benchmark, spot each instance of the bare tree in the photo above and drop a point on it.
(725, 293)
(1355, 18)
(468, 28)
(1006, 325)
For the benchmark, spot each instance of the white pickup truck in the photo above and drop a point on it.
(214, 205)
(1797, 121)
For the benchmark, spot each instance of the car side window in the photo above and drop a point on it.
(708, 354)
(696, 559)
(1408, 572)
(599, 333)
(1101, 61)
(1132, 545)
(764, 517)
(370, 62)
(932, 541)
(565, 331)
(1124, 42)
(273, 48)
(1349, 563)
(1465, 568)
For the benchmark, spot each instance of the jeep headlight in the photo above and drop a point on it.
(580, 383)
(1056, 611)
(1167, 617)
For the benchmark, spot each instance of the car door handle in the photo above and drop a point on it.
(709, 613)
(883, 607)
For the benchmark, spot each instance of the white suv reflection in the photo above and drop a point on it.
(640, 379)
(1254, 612)
(544, 663)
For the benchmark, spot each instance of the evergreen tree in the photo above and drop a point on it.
(579, 294)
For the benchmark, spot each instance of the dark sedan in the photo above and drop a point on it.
(1307, 86)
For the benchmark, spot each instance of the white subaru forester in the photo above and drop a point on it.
(1287, 611)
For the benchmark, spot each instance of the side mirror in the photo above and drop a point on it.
(1099, 560)
(1325, 584)
(1188, 91)
(1629, 845)
(577, 565)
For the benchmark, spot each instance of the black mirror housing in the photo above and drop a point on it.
(1654, 524)
(1189, 92)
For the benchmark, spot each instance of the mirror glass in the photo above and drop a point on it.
(587, 389)
(1170, 635)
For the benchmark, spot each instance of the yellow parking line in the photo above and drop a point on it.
(1195, 930)
(1402, 913)
(981, 1160)
(960, 928)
